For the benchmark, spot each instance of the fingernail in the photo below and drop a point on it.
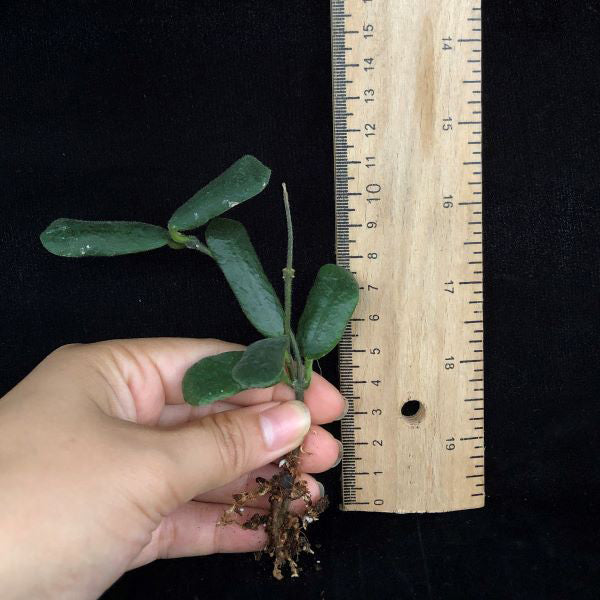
(285, 424)
(321, 489)
(346, 407)
(340, 454)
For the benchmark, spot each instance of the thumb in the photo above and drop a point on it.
(210, 452)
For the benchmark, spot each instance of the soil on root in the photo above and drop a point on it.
(285, 529)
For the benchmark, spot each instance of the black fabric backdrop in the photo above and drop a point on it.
(122, 110)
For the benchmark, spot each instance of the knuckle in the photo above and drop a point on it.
(230, 441)
(67, 347)
(66, 356)
(64, 350)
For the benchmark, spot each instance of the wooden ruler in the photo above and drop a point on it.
(407, 126)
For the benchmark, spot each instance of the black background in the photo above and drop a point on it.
(122, 111)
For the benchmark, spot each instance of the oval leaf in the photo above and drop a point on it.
(72, 237)
(242, 180)
(262, 363)
(330, 304)
(210, 379)
(232, 249)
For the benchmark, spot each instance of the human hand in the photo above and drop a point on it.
(104, 468)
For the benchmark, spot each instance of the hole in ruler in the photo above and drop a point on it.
(413, 410)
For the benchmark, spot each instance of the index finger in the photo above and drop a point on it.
(153, 368)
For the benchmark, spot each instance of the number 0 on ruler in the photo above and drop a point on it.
(407, 127)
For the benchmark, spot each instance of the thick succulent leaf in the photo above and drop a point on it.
(262, 363)
(210, 379)
(242, 180)
(330, 304)
(72, 237)
(232, 249)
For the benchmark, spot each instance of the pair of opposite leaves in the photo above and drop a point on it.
(330, 303)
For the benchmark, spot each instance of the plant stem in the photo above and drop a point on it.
(189, 241)
(288, 271)
(296, 350)
(196, 244)
(280, 504)
(288, 276)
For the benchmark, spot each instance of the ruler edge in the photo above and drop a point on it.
(346, 388)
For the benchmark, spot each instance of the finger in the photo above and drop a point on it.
(320, 451)
(324, 401)
(192, 530)
(146, 374)
(247, 483)
(207, 453)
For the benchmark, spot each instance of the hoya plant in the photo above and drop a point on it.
(284, 354)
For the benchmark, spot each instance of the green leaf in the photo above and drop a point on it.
(231, 247)
(242, 180)
(210, 379)
(330, 304)
(72, 237)
(262, 363)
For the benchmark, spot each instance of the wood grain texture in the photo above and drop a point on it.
(408, 198)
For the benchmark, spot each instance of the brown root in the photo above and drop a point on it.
(285, 529)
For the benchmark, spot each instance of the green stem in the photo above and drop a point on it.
(288, 276)
(307, 372)
(299, 391)
(295, 349)
(189, 241)
(288, 271)
(196, 244)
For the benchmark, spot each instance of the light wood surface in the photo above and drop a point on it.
(409, 213)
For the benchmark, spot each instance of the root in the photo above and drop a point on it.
(285, 530)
